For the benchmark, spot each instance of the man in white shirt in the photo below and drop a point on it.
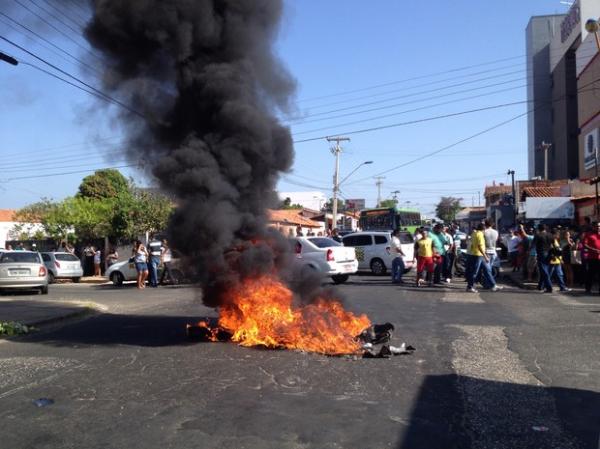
(490, 236)
(397, 261)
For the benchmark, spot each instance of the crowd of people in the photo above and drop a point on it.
(549, 255)
(147, 260)
(556, 254)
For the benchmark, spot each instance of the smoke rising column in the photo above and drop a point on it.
(206, 83)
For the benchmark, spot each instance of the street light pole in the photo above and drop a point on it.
(336, 150)
(514, 195)
(593, 26)
(379, 183)
(9, 59)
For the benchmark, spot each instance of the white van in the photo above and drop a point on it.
(373, 250)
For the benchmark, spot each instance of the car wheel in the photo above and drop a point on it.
(44, 290)
(76, 280)
(117, 278)
(50, 277)
(378, 267)
(339, 278)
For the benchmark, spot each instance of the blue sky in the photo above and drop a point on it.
(331, 47)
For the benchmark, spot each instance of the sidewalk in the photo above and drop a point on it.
(42, 312)
(85, 280)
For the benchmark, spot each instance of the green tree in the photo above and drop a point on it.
(107, 183)
(447, 208)
(388, 203)
(329, 205)
(287, 204)
(139, 212)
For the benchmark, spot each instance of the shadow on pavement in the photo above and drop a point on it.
(453, 411)
(112, 329)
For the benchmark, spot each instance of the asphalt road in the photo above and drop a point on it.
(512, 369)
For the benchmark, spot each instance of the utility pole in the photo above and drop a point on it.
(514, 195)
(595, 180)
(336, 150)
(395, 196)
(379, 183)
(545, 147)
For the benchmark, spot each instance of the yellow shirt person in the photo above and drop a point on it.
(425, 247)
(477, 244)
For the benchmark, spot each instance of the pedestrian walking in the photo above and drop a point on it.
(448, 258)
(165, 257)
(140, 257)
(543, 242)
(397, 255)
(154, 249)
(591, 243)
(477, 259)
(424, 257)
(97, 261)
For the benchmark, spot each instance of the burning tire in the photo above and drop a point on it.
(340, 278)
(378, 267)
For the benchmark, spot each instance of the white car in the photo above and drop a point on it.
(62, 265)
(325, 256)
(373, 250)
(125, 271)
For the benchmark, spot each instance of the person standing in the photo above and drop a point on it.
(424, 257)
(155, 250)
(112, 257)
(397, 261)
(513, 250)
(165, 257)
(591, 243)
(439, 251)
(140, 257)
(556, 263)
(568, 245)
(477, 259)
(448, 258)
(490, 235)
(543, 243)
(97, 261)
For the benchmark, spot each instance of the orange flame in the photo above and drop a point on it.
(261, 312)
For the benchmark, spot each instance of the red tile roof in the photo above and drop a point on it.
(541, 191)
(291, 217)
(7, 215)
(496, 190)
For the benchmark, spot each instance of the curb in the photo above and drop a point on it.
(87, 308)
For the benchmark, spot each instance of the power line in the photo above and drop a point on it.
(99, 93)
(422, 120)
(371, 103)
(71, 145)
(62, 13)
(412, 79)
(407, 111)
(39, 36)
(58, 30)
(49, 175)
(58, 19)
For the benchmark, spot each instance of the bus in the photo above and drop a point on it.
(390, 218)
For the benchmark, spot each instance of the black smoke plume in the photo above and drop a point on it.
(205, 85)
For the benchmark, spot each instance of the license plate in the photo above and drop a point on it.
(348, 268)
(18, 272)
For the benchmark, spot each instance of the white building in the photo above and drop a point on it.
(7, 226)
(310, 200)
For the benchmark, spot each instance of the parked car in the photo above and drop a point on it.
(125, 271)
(326, 256)
(23, 270)
(62, 265)
(373, 250)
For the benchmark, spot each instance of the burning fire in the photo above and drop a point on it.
(261, 312)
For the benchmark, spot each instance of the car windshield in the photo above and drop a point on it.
(324, 242)
(19, 257)
(66, 257)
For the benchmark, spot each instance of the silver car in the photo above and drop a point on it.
(23, 270)
(62, 265)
